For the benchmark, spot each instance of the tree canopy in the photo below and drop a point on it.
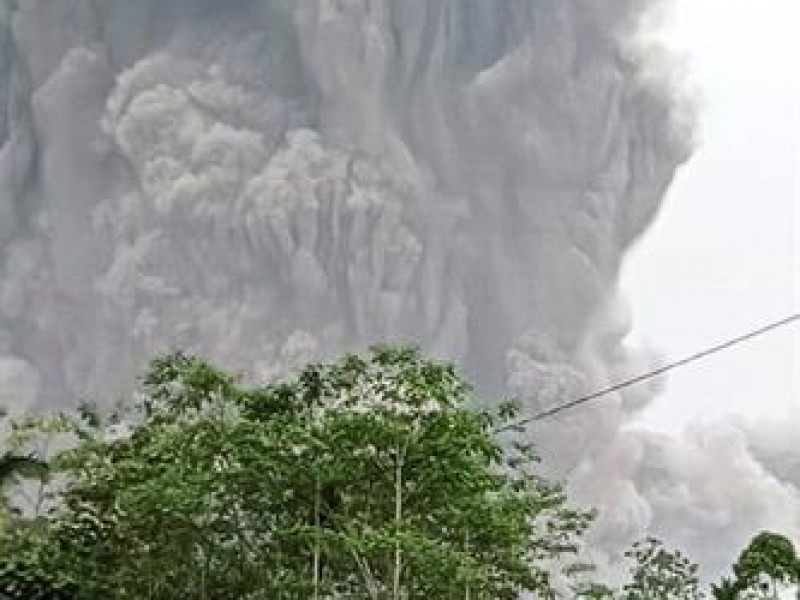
(768, 563)
(367, 478)
(376, 477)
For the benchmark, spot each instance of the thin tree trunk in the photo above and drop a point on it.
(467, 589)
(316, 565)
(369, 579)
(398, 516)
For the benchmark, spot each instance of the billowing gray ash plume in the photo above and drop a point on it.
(263, 181)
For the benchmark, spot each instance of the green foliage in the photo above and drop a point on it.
(661, 574)
(367, 478)
(595, 591)
(12, 468)
(370, 478)
(768, 561)
(25, 572)
(28, 566)
(15, 465)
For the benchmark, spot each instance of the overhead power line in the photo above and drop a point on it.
(791, 319)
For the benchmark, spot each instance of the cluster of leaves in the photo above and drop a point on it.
(28, 571)
(768, 568)
(371, 478)
(24, 552)
(764, 566)
(661, 574)
(368, 478)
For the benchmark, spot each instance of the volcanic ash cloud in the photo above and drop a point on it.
(267, 181)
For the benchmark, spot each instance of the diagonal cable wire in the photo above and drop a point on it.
(791, 319)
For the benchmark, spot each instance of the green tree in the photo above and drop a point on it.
(595, 591)
(368, 478)
(13, 468)
(767, 563)
(24, 550)
(661, 574)
(16, 466)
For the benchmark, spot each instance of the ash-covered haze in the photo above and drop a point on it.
(266, 181)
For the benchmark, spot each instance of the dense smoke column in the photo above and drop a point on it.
(263, 181)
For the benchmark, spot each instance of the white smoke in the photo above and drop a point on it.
(263, 181)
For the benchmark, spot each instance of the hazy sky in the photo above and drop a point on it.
(724, 255)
